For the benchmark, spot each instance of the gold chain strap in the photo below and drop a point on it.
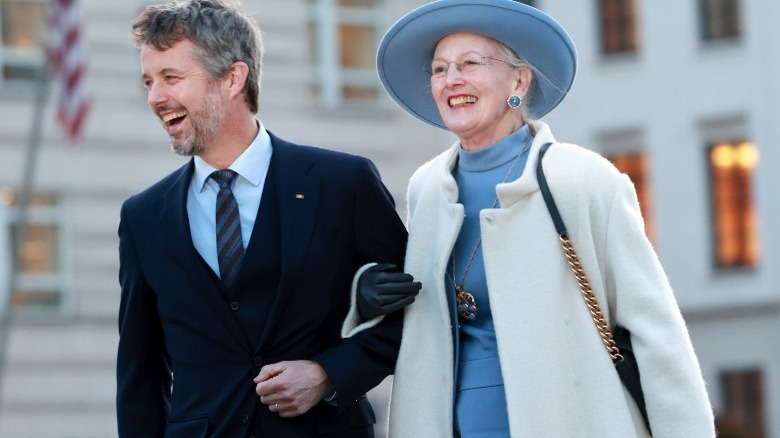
(590, 299)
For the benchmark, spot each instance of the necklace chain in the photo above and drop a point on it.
(466, 302)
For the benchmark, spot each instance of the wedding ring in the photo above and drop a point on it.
(276, 407)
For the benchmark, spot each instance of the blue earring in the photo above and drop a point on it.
(514, 101)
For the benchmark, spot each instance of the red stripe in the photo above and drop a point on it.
(64, 42)
(73, 77)
(77, 122)
(72, 38)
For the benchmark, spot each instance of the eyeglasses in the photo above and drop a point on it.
(438, 68)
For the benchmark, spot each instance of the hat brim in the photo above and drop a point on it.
(535, 36)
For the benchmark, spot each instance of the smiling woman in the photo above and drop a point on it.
(472, 97)
(509, 348)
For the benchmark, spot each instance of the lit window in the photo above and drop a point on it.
(344, 35)
(736, 231)
(720, 19)
(744, 414)
(23, 25)
(40, 275)
(635, 165)
(619, 33)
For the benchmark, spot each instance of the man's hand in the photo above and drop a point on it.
(291, 388)
(381, 291)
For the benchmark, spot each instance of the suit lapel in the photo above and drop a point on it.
(177, 238)
(298, 195)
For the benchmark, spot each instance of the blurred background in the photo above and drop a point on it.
(680, 94)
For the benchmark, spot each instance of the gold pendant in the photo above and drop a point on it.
(467, 305)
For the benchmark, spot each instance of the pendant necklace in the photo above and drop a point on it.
(467, 305)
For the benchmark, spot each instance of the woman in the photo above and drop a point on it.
(498, 342)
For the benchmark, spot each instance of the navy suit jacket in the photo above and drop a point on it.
(185, 360)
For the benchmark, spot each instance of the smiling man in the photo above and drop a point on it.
(189, 102)
(236, 269)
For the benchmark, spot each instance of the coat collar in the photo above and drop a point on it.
(508, 193)
(511, 192)
(298, 196)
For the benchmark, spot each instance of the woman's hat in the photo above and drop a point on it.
(407, 48)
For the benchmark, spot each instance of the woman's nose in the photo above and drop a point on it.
(453, 74)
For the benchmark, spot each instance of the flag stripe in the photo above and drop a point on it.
(65, 52)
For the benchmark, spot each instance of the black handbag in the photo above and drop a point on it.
(618, 343)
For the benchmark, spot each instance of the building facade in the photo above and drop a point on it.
(679, 94)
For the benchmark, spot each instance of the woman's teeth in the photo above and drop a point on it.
(462, 100)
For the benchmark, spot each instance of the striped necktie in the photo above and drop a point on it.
(230, 246)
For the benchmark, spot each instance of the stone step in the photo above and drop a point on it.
(59, 380)
(52, 385)
(70, 421)
(75, 344)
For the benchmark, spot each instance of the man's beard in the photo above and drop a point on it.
(205, 123)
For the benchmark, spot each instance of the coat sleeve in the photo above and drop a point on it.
(143, 372)
(362, 361)
(354, 323)
(644, 303)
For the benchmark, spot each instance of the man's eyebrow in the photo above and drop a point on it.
(162, 72)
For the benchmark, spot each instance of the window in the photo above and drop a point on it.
(625, 147)
(720, 19)
(619, 32)
(744, 403)
(734, 216)
(39, 284)
(635, 165)
(344, 35)
(23, 25)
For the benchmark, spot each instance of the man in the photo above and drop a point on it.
(236, 268)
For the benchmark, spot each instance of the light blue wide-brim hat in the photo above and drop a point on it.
(407, 48)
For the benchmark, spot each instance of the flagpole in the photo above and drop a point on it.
(23, 211)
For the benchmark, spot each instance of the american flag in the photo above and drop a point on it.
(65, 50)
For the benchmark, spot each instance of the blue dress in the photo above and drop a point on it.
(480, 401)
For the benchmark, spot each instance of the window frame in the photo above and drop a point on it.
(641, 183)
(731, 28)
(330, 77)
(747, 209)
(627, 22)
(14, 57)
(738, 418)
(57, 280)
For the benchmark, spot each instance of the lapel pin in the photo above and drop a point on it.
(299, 196)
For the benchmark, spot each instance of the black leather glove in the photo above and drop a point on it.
(381, 291)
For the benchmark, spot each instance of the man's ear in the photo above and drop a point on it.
(236, 78)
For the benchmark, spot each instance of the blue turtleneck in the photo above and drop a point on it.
(479, 379)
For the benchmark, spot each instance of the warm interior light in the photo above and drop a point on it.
(7, 195)
(736, 228)
(722, 155)
(746, 155)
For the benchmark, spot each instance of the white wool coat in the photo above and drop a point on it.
(559, 379)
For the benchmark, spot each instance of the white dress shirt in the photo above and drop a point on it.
(252, 168)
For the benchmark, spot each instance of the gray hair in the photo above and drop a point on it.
(221, 32)
(518, 62)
